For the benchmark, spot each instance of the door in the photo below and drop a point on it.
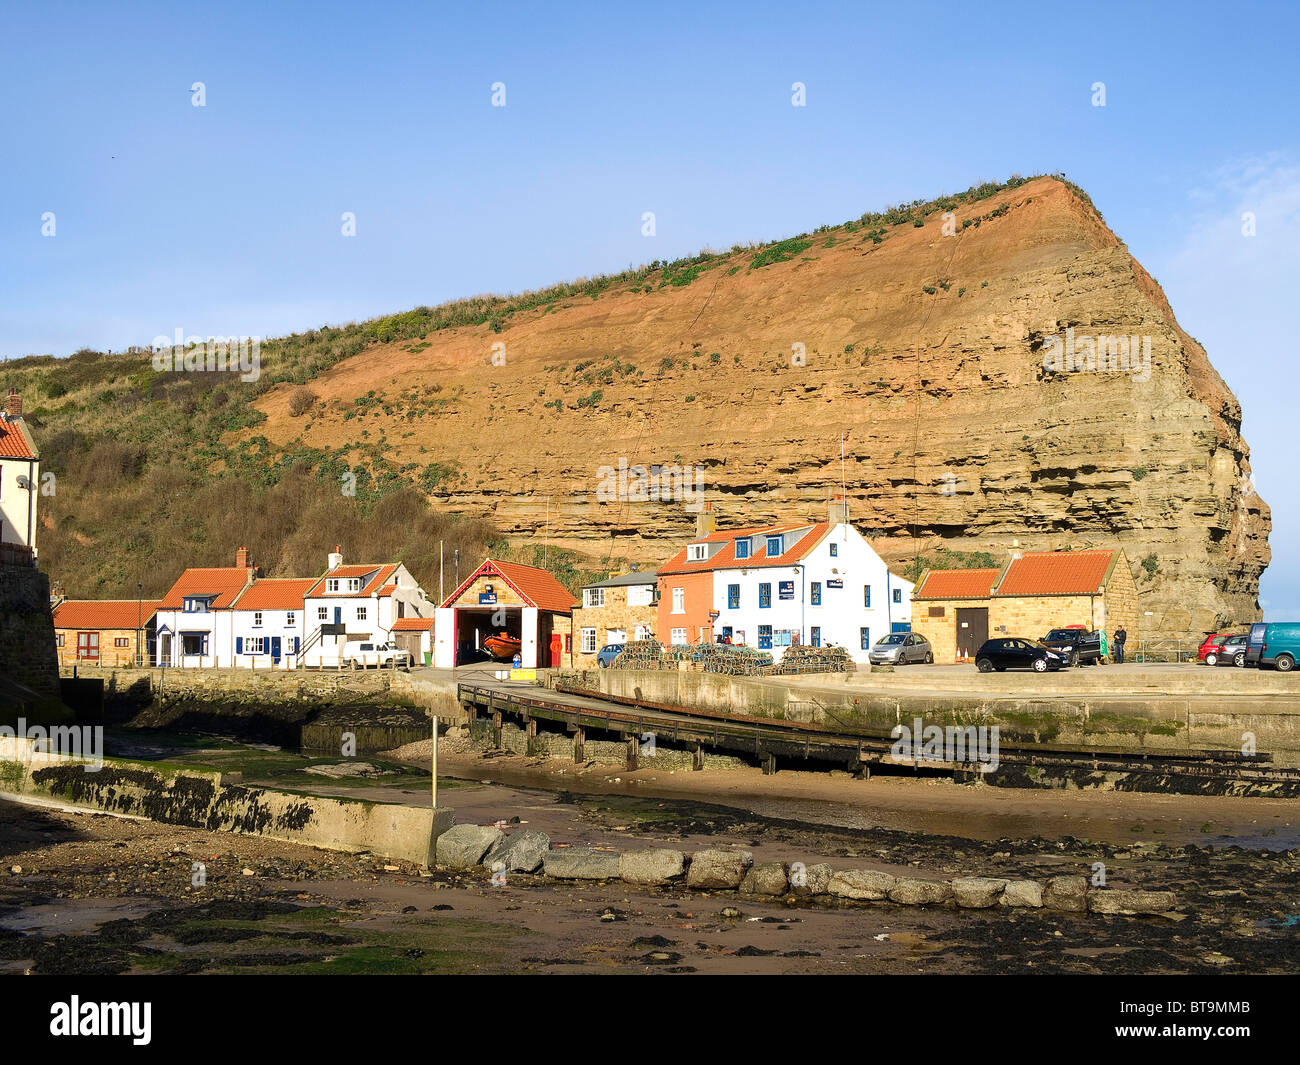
(275, 649)
(816, 636)
(88, 645)
(972, 629)
(557, 646)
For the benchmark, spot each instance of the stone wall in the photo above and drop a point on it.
(615, 614)
(27, 652)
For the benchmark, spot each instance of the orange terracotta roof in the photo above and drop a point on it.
(1056, 573)
(275, 593)
(726, 557)
(957, 584)
(537, 587)
(412, 625)
(378, 573)
(14, 441)
(103, 613)
(225, 583)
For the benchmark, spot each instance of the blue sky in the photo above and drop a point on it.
(225, 219)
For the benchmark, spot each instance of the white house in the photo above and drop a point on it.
(267, 622)
(768, 587)
(20, 473)
(359, 602)
(195, 622)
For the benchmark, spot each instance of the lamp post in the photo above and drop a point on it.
(139, 620)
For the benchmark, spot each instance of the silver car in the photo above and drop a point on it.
(900, 648)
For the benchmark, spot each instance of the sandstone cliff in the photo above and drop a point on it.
(925, 351)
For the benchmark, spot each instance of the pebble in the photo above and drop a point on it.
(15, 869)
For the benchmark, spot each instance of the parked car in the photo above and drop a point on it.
(1083, 647)
(1018, 653)
(1275, 644)
(900, 648)
(606, 655)
(1211, 644)
(1231, 652)
(362, 654)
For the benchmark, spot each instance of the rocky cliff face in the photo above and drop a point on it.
(942, 355)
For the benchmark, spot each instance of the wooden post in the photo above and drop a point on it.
(579, 746)
(633, 749)
(769, 765)
(433, 765)
(697, 758)
(496, 729)
(530, 730)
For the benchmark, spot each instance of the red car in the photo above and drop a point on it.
(1209, 651)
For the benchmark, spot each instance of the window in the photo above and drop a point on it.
(255, 645)
(765, 637)
(332, 585)
(679, 601)
(87, 645)
(121, 641)
(765, 597)
(322, 613)
(361, 613)
(289, 618)
(733, 596)
(774, 546)
(866, 596)
(257, 619)
(640, 595)
(815, 595)
(679, 637)
(696, 552)
(835, 550)
(742, 548)
(816, 636)
(58, 640)
(865, 636)
(588, 641)
(343, 584)
(196, 604)
(898, 595)
(593, 597)
(936, 612)
(194, 644)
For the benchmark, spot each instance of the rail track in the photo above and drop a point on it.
(582, 710)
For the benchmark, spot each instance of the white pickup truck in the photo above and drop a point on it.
(363, 654)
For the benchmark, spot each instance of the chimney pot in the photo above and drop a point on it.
(14, 404)
(241, 558)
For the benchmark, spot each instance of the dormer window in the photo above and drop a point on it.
(696, 552)
(342, 585)
(774, 546)
(742, 548)
(197, 604)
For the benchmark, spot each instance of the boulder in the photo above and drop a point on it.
(718, 870)
(977, 892)
(860, 884)
(463, 846)
(1023, 893)
(1067, 893)
(1120, 900)
(810, 879)
(520, 852)
(657, 866)
(766, 878)
(581, 863)
(913, 891)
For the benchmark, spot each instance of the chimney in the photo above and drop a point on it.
(336, 557)
(705, 521)
(241, 558)
(837, 510)
(14, 404)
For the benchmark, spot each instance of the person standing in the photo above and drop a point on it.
(1120, 638)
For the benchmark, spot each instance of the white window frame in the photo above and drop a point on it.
(697, 552)
(679, 638)
(640, 595)
(290, 618)
(593, 597)
(361, 613)
(588, 641)
(322, 613)
(679, 601)
(257, 619)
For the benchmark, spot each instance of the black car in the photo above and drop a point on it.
(1083, 647)
(1232, 652)
(1017, 653)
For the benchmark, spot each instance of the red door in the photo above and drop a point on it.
(88, 645)
(557, 646)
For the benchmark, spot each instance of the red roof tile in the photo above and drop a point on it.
(225, 583)
(275, 593)
(377, 573)
(957, 584)
(14, 441)
(103, 613)
(537, 587)
(726, 557)
(412, 624)
(1056, 573)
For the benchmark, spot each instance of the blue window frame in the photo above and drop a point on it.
(816, 636)
(865, 635)
(774, 546)
(765, 637)
(866, 596)
(835, 550)
(898, 595)
(765, 598)
(733, 596)
(815, 595)
(742, 548)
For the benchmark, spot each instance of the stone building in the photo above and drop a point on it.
(109, 632)
(616, 610)
(1034, 592)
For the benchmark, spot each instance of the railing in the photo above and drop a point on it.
(1164, 651)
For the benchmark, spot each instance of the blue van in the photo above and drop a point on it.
(1276, 645)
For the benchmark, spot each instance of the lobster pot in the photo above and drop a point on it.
(802, 658)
